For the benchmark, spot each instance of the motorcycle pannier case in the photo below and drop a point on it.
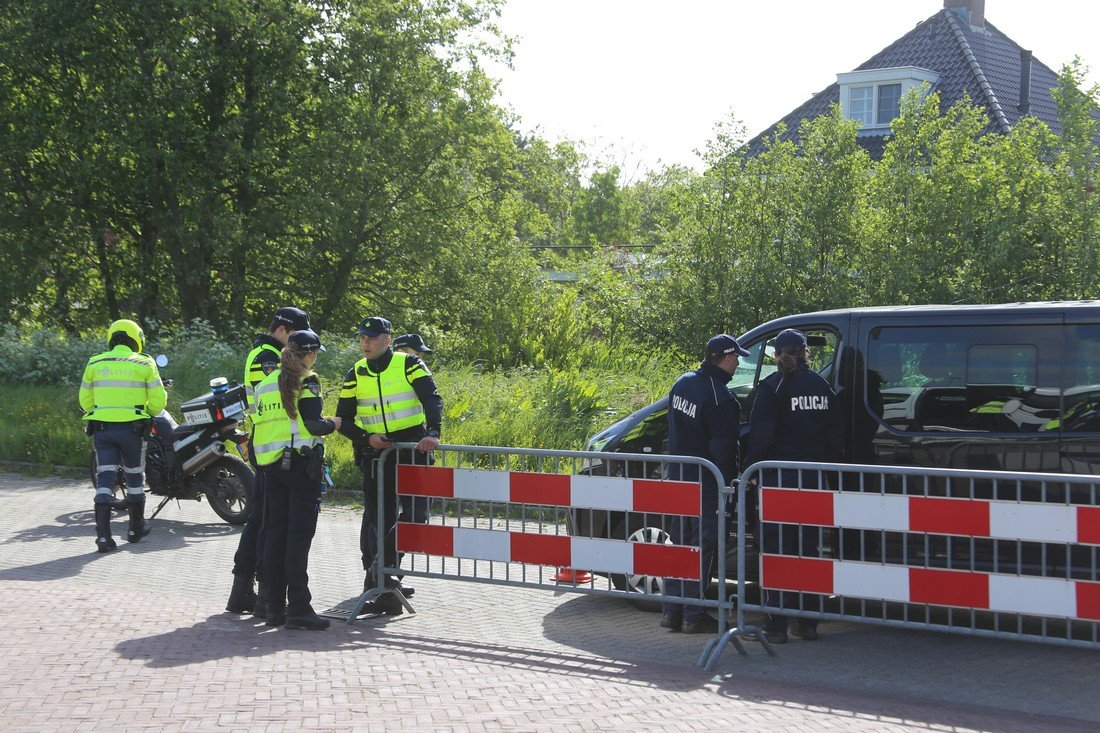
(212, 407)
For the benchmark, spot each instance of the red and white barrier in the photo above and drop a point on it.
(608, 556)
(1028, 522)
(1052, 597)
(563, 551)
(550, 489)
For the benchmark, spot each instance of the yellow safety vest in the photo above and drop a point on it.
(386, 402)
(273, 427)
(121, 386)
(254, 372)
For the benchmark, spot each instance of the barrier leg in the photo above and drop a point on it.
(707, 661)
(363, 600)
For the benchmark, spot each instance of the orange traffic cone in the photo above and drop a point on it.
(569, 575)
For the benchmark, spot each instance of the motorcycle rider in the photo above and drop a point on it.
(120, 392)
(248, 560)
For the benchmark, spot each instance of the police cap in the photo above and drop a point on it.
(306, 340)
(724, 344)
(411, 341)
(790, 340)
(292, 319)
(374, 326)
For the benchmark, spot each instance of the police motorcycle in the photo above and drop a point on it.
(190, 461)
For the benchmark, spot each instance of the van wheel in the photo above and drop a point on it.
(647, 584)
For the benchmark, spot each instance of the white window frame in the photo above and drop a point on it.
(908, 76)
(866, 116)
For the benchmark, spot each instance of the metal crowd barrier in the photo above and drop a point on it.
(981, 553)
(579, 521)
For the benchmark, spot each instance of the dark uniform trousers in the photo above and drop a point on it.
(786, 539)
(690, 531)
(413, 508)
(248, 560)
(119, 444)
(293, 503)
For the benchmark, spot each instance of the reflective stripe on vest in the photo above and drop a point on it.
(119, 382)
(273, 427)
(385, 403)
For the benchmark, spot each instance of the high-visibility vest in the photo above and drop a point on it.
(254, 372)
(386, 402)
(121, 386)
(273, 428)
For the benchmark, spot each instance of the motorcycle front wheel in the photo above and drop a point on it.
(228, 484)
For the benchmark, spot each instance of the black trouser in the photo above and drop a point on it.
(413, 508)
(293, 503)
(701, 532)
(248, 560)
(789, 539)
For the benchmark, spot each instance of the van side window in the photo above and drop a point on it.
(972, 379)
(1082, 379)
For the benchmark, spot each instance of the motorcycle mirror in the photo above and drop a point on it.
(162, 360)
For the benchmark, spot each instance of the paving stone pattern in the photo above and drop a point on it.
(137, 639)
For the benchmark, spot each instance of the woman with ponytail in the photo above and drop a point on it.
(289, 446)
(796, 417)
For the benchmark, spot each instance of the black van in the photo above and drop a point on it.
(1012, 387)
(1001, 387)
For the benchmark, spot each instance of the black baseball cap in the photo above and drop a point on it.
(374, 326)
(293, 319)
(411, 341)
(724, 344)
(306, 340)
(790, 340)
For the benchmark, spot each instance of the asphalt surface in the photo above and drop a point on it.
(138, 639)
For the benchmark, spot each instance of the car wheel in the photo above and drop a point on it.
(648, 584)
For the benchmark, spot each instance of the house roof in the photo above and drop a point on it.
(982, 62)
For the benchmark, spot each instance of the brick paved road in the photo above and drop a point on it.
(164, 656)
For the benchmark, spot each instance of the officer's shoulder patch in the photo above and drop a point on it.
(314, 388)
(268, 367)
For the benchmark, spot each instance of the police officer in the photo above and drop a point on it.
(796, 417)
(704, 420)
(387, 398)
(119, 393)
(411, 343)
(247, 562)
(289, 448)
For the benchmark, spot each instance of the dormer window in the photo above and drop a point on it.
(873, 97)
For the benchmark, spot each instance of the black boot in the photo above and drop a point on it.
(242, 599)
(103, 540)
(138, 528)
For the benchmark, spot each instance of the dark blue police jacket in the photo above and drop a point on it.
(796, 418)
(704, 420)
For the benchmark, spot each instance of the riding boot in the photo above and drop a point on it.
(242, 599)
(138, 528)
(103, 540)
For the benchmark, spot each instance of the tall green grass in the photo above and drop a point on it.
(547, 407)
(522, 408)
